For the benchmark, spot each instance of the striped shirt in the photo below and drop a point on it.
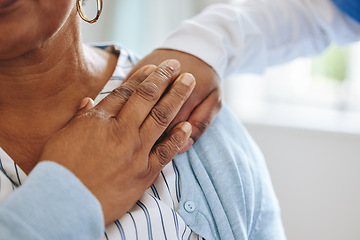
(154, 215)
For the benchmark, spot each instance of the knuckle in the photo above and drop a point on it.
(138, 79)
(201, 126)
(161, 114)
(149, 91)
(123, 92)
(177, 140)
(95, 115)
(164, 154)
(180, 92)
(165, 71)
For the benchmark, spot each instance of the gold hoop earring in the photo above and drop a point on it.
(80, 10)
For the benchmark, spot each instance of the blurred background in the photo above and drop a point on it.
(305, 116)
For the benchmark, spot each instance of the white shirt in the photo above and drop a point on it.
(248, 36)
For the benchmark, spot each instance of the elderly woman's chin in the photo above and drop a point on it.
(16, 45)
(28, 24)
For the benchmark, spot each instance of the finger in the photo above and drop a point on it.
(187, 145)
(166, 109)
(164, 151)
(149, 92)
(155, 60)
(85, 105)
(202, 117)
(115, 101)
(193, 101)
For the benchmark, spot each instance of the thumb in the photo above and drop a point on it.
(85, 105)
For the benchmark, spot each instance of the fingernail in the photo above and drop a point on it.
(174, 64)
(83, 103)
(188, 79)
(86, 102)
(186, 127)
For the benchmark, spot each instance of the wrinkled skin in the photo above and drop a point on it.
(116, 141)
(205, 102)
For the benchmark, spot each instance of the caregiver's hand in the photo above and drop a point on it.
(113, 149)
(204, 103)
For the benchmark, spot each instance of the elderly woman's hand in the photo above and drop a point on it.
(205, 101)
(113, 148)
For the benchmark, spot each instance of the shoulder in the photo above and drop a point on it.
(229, 182)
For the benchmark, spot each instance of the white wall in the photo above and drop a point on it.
(313, 155)
(140, 25)
(316, 175)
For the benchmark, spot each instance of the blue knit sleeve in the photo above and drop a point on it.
(224, 178)
(52, 204)
(349, 7)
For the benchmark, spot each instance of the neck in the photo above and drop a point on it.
(39, 78)
(42, 89)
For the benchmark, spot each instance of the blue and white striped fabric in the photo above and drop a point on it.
(154, 215)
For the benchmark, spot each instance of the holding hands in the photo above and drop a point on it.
(204, 103)
(117, 140)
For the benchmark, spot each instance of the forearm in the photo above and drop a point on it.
(52, 204)
(250, 36)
